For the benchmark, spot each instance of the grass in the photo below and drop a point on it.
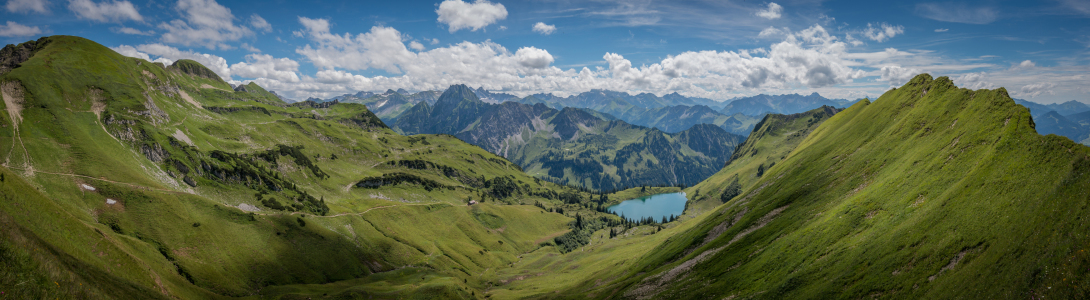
(771, 141)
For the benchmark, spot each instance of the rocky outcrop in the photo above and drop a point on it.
(154, 152)
(11, 56)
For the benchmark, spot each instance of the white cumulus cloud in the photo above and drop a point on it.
(106, 11)
(772, 12)
(458, 14)
(974, 81)
(381, 48)
(531, 57)
(13, 29)
(542, 28)
(896, 75)
(416, 46)
(26, 6)
(206, 23)
(882, 31)
(264, 65)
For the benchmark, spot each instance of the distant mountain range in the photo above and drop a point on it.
(670, 113)
(762, 104)
(573, 145)
(389, 104)
(1070, 119)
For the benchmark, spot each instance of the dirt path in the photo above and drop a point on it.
(110, 181)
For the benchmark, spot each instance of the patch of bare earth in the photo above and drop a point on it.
(652, 286)
(189, 99)
(179, 135)
(98, 102)
(722, 227)
(953, 263)
(13, 100)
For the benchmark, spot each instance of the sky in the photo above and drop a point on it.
(717, 49)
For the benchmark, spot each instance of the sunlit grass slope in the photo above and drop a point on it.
(770, 142)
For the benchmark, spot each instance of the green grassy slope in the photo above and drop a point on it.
(133, 179)
(769, 143)
(931, 191)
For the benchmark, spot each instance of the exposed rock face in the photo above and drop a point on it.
(154, 152)
(13, 55)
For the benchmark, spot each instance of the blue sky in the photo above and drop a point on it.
(1037, 50)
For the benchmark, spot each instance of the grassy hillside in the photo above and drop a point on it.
(930, 191)
(771, 141)
(128, 179)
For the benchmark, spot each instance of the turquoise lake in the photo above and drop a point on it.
(655, 206)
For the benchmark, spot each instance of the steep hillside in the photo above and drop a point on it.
(127, 179)
(930, 191)
(772, 140)
(574, 146)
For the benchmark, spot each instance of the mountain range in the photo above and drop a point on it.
(1070, 119)
(574, 146)
(674, 112)
(670, 113)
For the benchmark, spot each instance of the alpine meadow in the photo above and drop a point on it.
(196, 149)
